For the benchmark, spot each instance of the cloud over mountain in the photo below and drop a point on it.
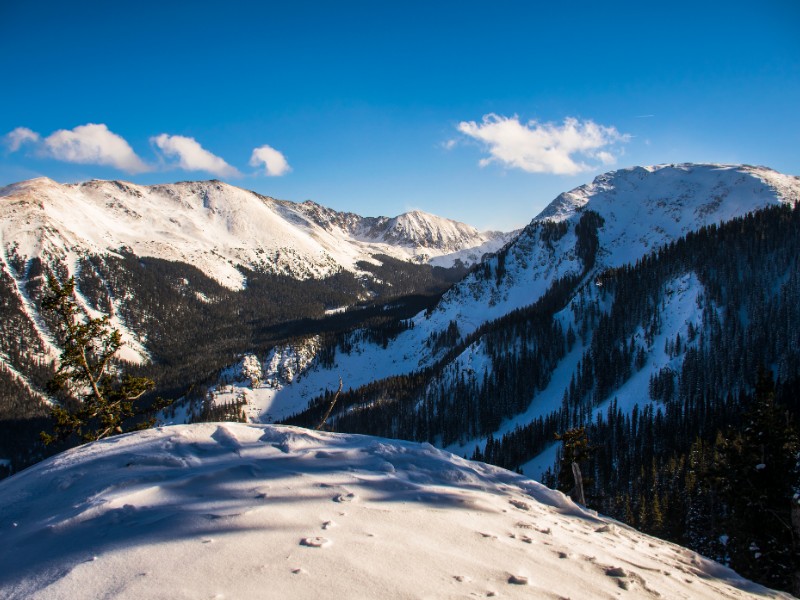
(19, 136)
(273, 161)
(192, 156)
(90, 144)
(93, 144)
(544, 147)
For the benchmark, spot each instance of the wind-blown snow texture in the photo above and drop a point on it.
(238, 511)
(217, 227)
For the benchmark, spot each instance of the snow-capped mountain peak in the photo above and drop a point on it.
(418, 228)
(702, 188)
(218, 228)
(640, 209)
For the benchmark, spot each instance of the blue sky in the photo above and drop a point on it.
(477, 111)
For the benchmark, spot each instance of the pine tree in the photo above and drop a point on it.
(759, 489)
(99, 399)
(575, 449)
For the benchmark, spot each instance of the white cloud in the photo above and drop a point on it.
(21, 135)
(543, 147)
(449, 144)
(93, 144)
(275, 163)
(192, 156)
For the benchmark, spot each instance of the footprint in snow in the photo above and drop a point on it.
(316, 542)
(526, 539)
(518, 579)
(345, 498)
(520, 504)
(628, 579)
(607, 528)
(328, 524)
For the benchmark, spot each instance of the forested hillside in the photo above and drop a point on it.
(697, 321)
(186, 324)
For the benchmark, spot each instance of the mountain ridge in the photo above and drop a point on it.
(217, 227)
(544, 253)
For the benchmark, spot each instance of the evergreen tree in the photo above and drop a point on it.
(574, 450)
(762, 478)
(99, 399)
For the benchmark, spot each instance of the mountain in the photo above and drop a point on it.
(246, 511)
(616, 220)
(641, 209)
(219, 228)
(195, 273)
(655, 311)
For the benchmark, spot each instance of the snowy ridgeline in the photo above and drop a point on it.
(218, 228)
(246, 511)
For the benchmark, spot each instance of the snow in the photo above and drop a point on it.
(245, 511)
(217, 228)
(291, 377)
(643, 209)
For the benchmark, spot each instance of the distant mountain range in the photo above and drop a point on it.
(218, 228)
(160, 260)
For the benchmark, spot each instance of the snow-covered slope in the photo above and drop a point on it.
(641, 208)
(236, 511)
(218, 227)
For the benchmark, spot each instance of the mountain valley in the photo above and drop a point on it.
(649, 309)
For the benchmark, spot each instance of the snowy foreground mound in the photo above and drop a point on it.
(253, 511)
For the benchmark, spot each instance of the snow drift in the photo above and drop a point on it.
(254, 511)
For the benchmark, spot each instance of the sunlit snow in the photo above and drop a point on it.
(253, 511)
